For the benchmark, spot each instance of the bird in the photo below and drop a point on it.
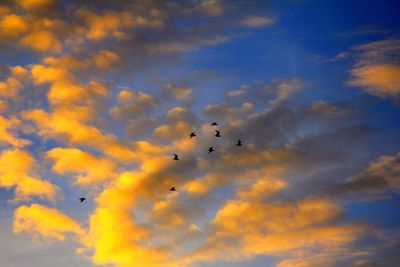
(176, 157)
(217, 133)
(172, 189)
(211, 149)
(214, 124)
(192, 134)
(239, 143)
(82, 199)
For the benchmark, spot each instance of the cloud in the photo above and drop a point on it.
(88, 169)
(179, 93)
(381, 80)
(104, 25)
(7, 134)
(42, 41)
(212, 7)
(114, 235)
(106, 59)
(257, 21)
(378, 177)
(66, 124)
(33, 5)
(76, 109)
(16, 167)
(13, 25)
(10, 87)
(132, 104)
(55, 225)
(377, 71)
(246, 228)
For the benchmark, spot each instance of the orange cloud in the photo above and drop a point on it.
(244, 229)
(4, 10)
(88, 168)
(257, 21)
(7, 135)
(13, 25)
(14, 83)
(63, 123)
(40, 220)
(104, 25)
(43, 74)
(66, 62)
(179, 93)
(106, 59)
(381, 79)
(114, 235)
(36, 4)
(377, 70)
(42, 41)
(262, 188)
(15, 170)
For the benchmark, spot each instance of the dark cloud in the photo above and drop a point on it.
(381, 176)
(4, 72)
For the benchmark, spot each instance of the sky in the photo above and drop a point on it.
(97, 96)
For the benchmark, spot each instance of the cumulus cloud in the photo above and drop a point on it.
(55, 225)
(7, 132)
(10, 87)
(179, 93)
(16, 170)
(249, 228)
(88, 168)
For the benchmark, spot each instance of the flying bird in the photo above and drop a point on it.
(211, 149)
(239, 143)
(176, 157)
(172, 189)
(214, 124)
(217, 133)
(192, 134)
(82, 199)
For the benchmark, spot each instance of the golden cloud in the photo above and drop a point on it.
(381, 80)
(377, 70)
(88, 168)
(55, 224)
(106, 59)
(113, 234)
(16, 167)
(36, 4)
(245, 229)
(14, 83)
(104, 25)
(7, 135)
(42, 41)
(13, 25)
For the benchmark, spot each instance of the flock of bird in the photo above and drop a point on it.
(191, 135)
(210, 149)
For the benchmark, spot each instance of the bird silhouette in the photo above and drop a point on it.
(239, 143)
(211, 149)
(172, 189)
(82, 199)
(176, 157)
(214, 124)
(217, 133)
(192, 134)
